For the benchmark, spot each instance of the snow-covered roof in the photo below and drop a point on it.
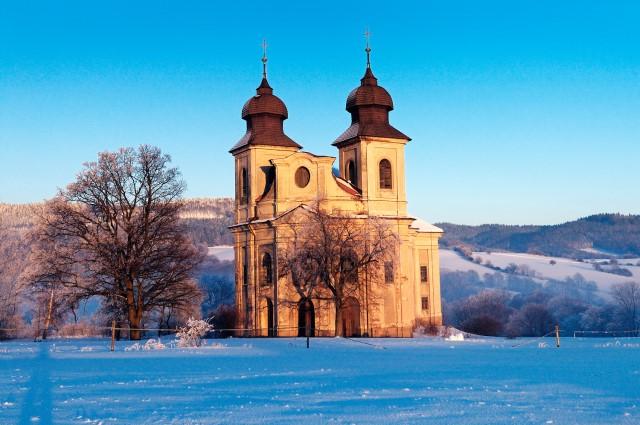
(422, 226)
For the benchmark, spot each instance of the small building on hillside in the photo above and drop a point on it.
(274, 178)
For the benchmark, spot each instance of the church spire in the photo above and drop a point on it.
(264, 87)
(369, 105)
(367, 36)
(264, 59)
(369, 78)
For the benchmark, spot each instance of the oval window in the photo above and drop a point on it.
(302, 177)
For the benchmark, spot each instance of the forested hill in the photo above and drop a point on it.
(612, 233)
(206, 219)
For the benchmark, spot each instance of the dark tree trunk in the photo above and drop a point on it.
(338, 321)
(135, 322)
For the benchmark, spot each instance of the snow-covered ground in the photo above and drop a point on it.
(563, 268)
(250, 381)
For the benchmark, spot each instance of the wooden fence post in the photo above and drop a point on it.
(113, 335)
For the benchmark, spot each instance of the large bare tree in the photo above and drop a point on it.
(330, 253)
(13, 251)
(115, 233)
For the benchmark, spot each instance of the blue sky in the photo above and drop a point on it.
(520, 112)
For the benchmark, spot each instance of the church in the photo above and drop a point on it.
(275, 178)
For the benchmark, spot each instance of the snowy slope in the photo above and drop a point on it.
(452, 261)
(541, 264)
(222, 252)
(336, 381)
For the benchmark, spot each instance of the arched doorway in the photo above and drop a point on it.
(306, 318)
(351, 317)
(266, 317)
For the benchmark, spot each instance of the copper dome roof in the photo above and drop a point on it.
(369, 105)
(369, 93)
(265, 114)
(264, 102)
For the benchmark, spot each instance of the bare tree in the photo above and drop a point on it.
(298, 259)
(485, 313)
(627, 297)
(13, 252)
(531, 320)
(116, 234)
(329, 253)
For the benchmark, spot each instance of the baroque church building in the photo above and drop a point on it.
(275, 178)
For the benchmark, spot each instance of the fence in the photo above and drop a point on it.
(290, 331)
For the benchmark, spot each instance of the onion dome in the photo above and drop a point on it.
(369, 105)
(264, 102)
(265, 114)
(369, 93)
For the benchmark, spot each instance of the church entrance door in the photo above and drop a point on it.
(351, 317)
(306, 318)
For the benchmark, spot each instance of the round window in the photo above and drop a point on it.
(302, 177)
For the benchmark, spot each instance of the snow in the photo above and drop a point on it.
(338, 380)
(563, 268)
(452, 261)
(423, 226)
(541, 264)
(222, 252)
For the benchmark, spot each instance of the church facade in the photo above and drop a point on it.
(275, 178)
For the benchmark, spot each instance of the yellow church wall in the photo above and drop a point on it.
(255, 159)
(371, 151)
(393, 309)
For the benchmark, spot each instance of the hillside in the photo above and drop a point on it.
(598, 235)
(206, 219)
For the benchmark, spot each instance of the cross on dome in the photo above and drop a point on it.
(264, 58)
(367, 36)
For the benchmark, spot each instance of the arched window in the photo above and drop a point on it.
(267, 269)
(385, 174)
(351, 173)
(244, 186)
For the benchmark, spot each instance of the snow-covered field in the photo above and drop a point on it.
(563, 268)
(488, 381)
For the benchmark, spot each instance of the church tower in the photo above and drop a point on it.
(371, 150)
(263, 142)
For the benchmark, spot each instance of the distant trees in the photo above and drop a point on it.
(499, 304)
(13, 253)
(612, 268)
(531, 320)
(115, 233)
(326, 254)
(627, 299)
(617, 233)
(485, 313)
(206, 221)
(216, 280)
